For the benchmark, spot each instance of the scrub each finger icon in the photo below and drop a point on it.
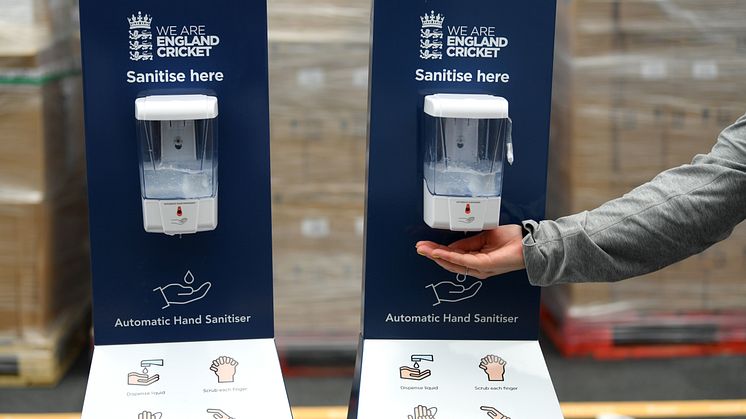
(493, 413)
(423, 412)
(414, 372)
(224, 368)
(219, 414)
(149, 415)
(494, 367)
(144, 378)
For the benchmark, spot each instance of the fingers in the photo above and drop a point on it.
(218, 414)
(476, 262)
(473, 289)
(492, 359)
(466, 245)
(224, 360)
(203, 289)
(426, 248)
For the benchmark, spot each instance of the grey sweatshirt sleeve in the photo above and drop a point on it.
(681, 212)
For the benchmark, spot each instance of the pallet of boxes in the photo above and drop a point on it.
(44, 267)
(642, 86)
(318, 53)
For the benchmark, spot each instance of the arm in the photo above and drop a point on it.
(681, 212)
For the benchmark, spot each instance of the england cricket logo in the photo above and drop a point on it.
(141, 38)
(431, 36)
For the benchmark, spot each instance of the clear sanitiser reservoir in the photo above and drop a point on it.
(178, 162)
(178, 159)
(466, 158)
(467, 139)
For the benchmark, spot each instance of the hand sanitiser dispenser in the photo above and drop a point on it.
(466, 140)
(178, 162)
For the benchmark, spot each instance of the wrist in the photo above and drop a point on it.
(517, 257)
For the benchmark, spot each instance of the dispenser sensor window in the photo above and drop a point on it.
(178, 162)
(467, 139)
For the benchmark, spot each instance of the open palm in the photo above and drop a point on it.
(487, 254)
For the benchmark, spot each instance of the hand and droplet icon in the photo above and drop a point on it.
(179, 294)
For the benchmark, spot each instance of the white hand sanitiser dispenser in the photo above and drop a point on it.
(466, 140)
(178, 162)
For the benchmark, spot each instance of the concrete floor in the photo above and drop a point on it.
(575, 380)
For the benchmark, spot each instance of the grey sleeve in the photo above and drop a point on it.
(681, 212)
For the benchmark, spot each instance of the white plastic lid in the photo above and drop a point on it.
(176, 107)
(444, 105)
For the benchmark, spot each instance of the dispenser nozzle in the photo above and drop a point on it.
(418, 358)
(151, 363)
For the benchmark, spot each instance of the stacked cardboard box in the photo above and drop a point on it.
(319, 21)
(44, 279)
(36, 33)
(318, 99)
(642, 86)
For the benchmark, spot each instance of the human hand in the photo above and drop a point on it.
(148, 415)
(450, 292)
(225, 368)
(219, 414)
(487, 254)
(494, 367)
(177, 294)
(137, 379)
(422, 412)
(407, 373)
(493, 413)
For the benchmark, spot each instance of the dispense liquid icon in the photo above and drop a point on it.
(467, 139)
(178, 162)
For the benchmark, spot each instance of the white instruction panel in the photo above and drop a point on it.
(210, 380)
(455, 380)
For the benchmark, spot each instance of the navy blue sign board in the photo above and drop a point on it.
(189, 47)
(501, 48)
(431, 341)
(176, 100)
